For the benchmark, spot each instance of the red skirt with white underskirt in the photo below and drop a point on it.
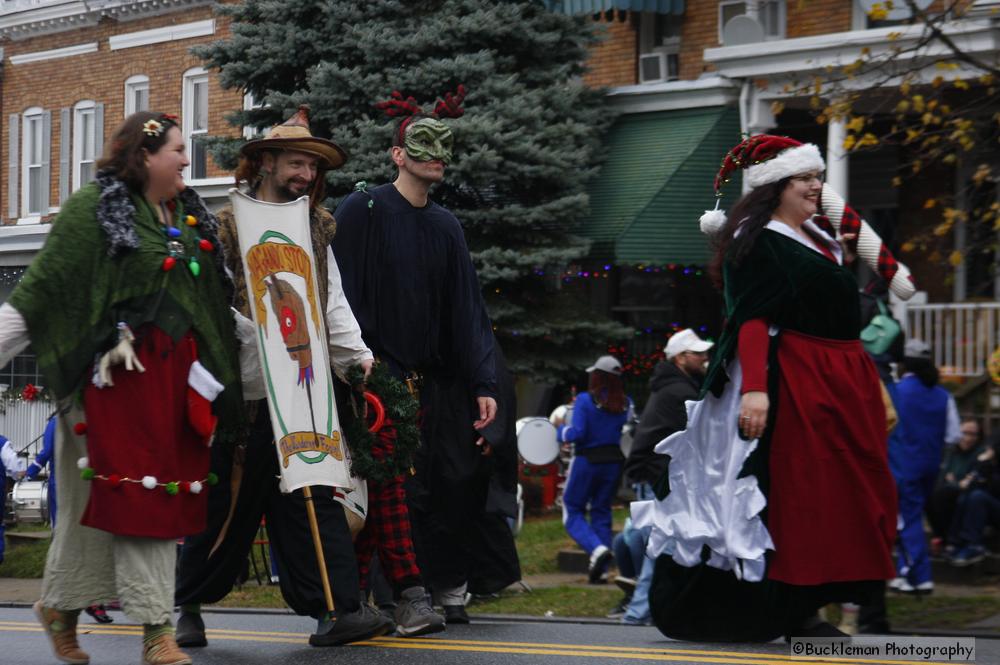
(832, 499)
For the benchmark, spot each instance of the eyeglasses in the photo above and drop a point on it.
(970, 434)
(809, 177)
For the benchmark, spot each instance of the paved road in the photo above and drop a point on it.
(280, 639)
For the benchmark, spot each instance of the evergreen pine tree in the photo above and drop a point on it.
(524, 150)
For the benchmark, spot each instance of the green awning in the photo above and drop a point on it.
(597, 6)
(657, 182)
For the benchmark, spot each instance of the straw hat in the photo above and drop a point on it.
(294, 134)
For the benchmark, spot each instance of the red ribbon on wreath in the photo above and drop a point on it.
(29, 393)
(376, 403)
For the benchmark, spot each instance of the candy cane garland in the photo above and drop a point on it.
(870, 247)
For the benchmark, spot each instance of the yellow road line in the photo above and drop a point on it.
(483, 646)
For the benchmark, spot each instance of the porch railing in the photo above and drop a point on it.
(962, 336)
(23, 423)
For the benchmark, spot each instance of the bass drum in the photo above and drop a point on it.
(31, 501)
(536, 441)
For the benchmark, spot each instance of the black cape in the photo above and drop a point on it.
(411, 284)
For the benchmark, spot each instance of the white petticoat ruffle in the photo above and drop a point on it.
(708, 504)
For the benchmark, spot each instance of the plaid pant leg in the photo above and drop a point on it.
(365, 543)
(395, 540)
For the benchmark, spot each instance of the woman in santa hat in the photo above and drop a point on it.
(778, 498)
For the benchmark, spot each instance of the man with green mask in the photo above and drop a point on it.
(410, 281)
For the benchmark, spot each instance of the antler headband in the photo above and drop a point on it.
(396, 106)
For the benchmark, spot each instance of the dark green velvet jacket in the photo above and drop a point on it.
(793, 287)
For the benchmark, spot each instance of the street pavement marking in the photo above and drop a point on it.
(663, 654)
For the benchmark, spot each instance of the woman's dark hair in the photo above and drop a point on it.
(923, 369)
(124, 156)
(751, 214)
(607, 391)
(248, 171)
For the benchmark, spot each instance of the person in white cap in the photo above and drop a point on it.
(675, 381)
(598, 417)
(778, 497)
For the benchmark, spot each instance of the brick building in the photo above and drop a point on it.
(71, 72)
(688, 78)
(684, 85)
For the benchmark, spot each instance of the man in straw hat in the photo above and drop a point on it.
(289, 163)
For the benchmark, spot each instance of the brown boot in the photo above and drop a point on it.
(61, 630)
(163, 650)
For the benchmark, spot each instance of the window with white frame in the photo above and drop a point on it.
(34, 163)
(136, 94)
(86, 143)
(898, 13)
(250, 103)
(196, 121)
(770, 15)
(659, 47)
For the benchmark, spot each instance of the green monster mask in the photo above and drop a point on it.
(428, 139)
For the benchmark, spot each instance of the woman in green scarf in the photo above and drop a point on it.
(127, 310)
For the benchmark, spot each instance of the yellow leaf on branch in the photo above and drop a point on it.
(897, 181)
(856, 124)
(878, 11)
(983, 172)
(956, 258)
(930, 203)
(908, 246)
(849, 141)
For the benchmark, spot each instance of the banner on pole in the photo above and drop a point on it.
(280, 270)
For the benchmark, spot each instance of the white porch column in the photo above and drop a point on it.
(836, 156)
(756, 116)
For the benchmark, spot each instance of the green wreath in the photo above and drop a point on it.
(400, 407)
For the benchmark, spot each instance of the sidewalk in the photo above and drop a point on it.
(19, 592)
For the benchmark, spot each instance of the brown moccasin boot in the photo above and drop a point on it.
(61, 630)
(163, 650)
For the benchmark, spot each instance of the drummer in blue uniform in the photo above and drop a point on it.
(596, 428)
(9, 466)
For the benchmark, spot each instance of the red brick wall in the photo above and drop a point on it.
(614, 61)
(100, 76)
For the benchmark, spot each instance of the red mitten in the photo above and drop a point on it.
(202, 391)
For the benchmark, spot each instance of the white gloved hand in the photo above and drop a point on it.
(251, 373)
(246, 330)
(121, 353)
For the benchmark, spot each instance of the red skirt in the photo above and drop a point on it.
(139, 427)
(832, 499)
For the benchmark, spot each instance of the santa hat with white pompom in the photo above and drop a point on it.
(765, 158)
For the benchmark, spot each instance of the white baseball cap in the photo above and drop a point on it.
(917, 348)
(607, 364)
(686, 340)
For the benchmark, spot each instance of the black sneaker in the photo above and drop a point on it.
(364, 624)
(455, 614)
(599, 560)
(190, 630)
(618, 611)
(415, 616)
(99, 614)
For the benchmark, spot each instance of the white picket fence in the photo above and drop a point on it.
(23, 423)
(963, 336)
